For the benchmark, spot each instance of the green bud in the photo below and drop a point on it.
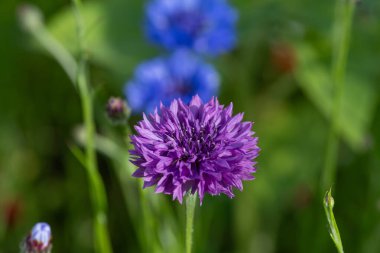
(329, 200)
(30, 17)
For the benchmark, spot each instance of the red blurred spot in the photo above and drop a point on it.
(283, 57)
(302, 197)
(12, 212)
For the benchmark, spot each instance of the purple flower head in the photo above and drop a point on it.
(182, 75)
(39, 239)
(205, 26)
(196, 148)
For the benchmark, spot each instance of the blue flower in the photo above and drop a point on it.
(39, 239)
(205, 26)
(181, 75)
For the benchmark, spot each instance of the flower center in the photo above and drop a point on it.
(179, 88)
(189, 23)
(197, 143)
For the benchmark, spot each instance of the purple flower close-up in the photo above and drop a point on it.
(200, 148)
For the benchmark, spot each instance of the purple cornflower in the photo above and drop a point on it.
(181, 75)
(205, 26)
(39, 239)
(196, 148)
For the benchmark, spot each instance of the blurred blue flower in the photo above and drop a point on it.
(182, 75)
(205, 26)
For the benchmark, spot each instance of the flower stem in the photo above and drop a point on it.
(145, 228)
(342, 32)
(328, 204)
(190, 209)
(32, 21)
(146, 231)
(58, 52)
(97, 189)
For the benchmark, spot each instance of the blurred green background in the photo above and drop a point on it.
(279, 75)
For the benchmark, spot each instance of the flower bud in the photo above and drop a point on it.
(117, 110)
(39, 239)
(329, 200)
(30, 17)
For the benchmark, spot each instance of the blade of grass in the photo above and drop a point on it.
(342, 34)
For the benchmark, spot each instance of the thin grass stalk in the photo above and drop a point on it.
(342, 34)
(97, 190)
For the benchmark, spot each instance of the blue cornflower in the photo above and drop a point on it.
(181, 75)
(205, 26)
(39, 239)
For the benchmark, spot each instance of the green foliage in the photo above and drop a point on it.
(114, 41)
(278, 212)
(358, 103)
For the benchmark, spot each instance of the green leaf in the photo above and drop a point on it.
(115, 36)
(358, 101)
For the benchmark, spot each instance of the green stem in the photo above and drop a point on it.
(328, 204)
(32, 21)
(147, 239)
(97, 189)
(145, 230)
(190, 209)
(123, 169)
(342, 32)
(2, 232)
(62, 56)
(146, 242)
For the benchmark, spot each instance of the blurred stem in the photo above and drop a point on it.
(97, 189)
(147, 238)
(328, 203)
(191, 200)
(143, 234)
(32, 21)
(123, 169)
(61, 55)
(2, 232)
(342, 32)
(146, 241)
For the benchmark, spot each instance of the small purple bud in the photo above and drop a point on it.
(117, 110)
